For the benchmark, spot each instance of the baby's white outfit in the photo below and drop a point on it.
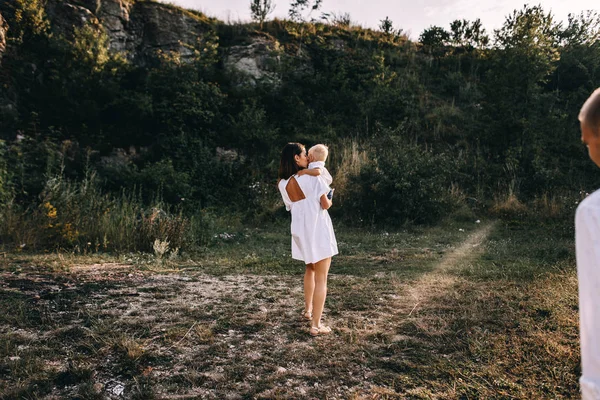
(324, 173)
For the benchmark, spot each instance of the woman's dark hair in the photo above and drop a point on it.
(287, 163)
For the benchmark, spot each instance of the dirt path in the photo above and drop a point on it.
(467, 251)
(403, 307)
(439, 281)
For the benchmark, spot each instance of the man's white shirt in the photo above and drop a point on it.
(587, 247)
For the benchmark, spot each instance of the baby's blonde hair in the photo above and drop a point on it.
(319, 152)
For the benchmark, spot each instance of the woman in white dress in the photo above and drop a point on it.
(313, 239)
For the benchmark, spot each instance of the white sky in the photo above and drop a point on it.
(410, 15)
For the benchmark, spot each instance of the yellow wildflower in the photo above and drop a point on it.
(50, 210)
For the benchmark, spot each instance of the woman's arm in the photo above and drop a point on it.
(325, 202)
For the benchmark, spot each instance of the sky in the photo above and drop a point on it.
(410, 15)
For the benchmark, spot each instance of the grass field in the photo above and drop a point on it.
(458, 311)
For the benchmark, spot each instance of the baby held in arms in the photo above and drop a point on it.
(317, 155)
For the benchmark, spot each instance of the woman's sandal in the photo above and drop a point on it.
(319, 330)
(307, 315)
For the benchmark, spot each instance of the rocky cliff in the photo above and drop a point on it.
(137, 29)
(141, 29)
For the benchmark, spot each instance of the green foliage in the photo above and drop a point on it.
(403, 184)
(28, 20)
(78, 215)
(434, 38)
(465, 33)
(186, 132)
(582, 29)
(90, 47)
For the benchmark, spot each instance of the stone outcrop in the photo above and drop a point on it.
(136, 29)
(158, 27)
(66, 16)
(255, 62)
(116, 21)
(3, 29)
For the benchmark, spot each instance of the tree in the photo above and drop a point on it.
(531, 29)
(465, 33)
(260, 9)
(582, 29)
(522, 114)
(298, 7)
(434, 38)
(387, 26)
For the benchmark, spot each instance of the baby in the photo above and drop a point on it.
(317, 155)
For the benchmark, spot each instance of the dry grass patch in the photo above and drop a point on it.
(422, 321)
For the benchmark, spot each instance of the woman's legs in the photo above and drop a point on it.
(321, 269)
(309, 288)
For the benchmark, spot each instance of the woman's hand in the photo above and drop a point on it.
(325, 202)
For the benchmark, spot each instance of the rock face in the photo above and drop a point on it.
(66, 16)
(157, 27)
(255, 62)
(115, 18)
(3, 29)
(138, 30)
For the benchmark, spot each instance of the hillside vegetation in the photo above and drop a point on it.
(108, 147)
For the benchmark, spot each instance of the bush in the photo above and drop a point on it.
(404, 183)
(78, 216)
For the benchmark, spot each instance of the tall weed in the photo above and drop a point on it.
(80, 216)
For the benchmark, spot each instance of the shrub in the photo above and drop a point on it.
(79, 216)
(403, 183)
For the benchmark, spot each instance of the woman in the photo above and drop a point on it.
(313, 239)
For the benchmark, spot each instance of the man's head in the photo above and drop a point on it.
(589, 117)
(318, 152)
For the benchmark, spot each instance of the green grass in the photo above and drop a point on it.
(498, 321)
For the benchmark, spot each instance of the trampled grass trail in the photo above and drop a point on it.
(438, 281)
(408, 297)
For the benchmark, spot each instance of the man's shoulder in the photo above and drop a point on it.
(590, 204)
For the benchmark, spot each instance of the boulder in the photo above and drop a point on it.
(255, 62)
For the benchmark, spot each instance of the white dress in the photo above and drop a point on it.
(312, 231)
